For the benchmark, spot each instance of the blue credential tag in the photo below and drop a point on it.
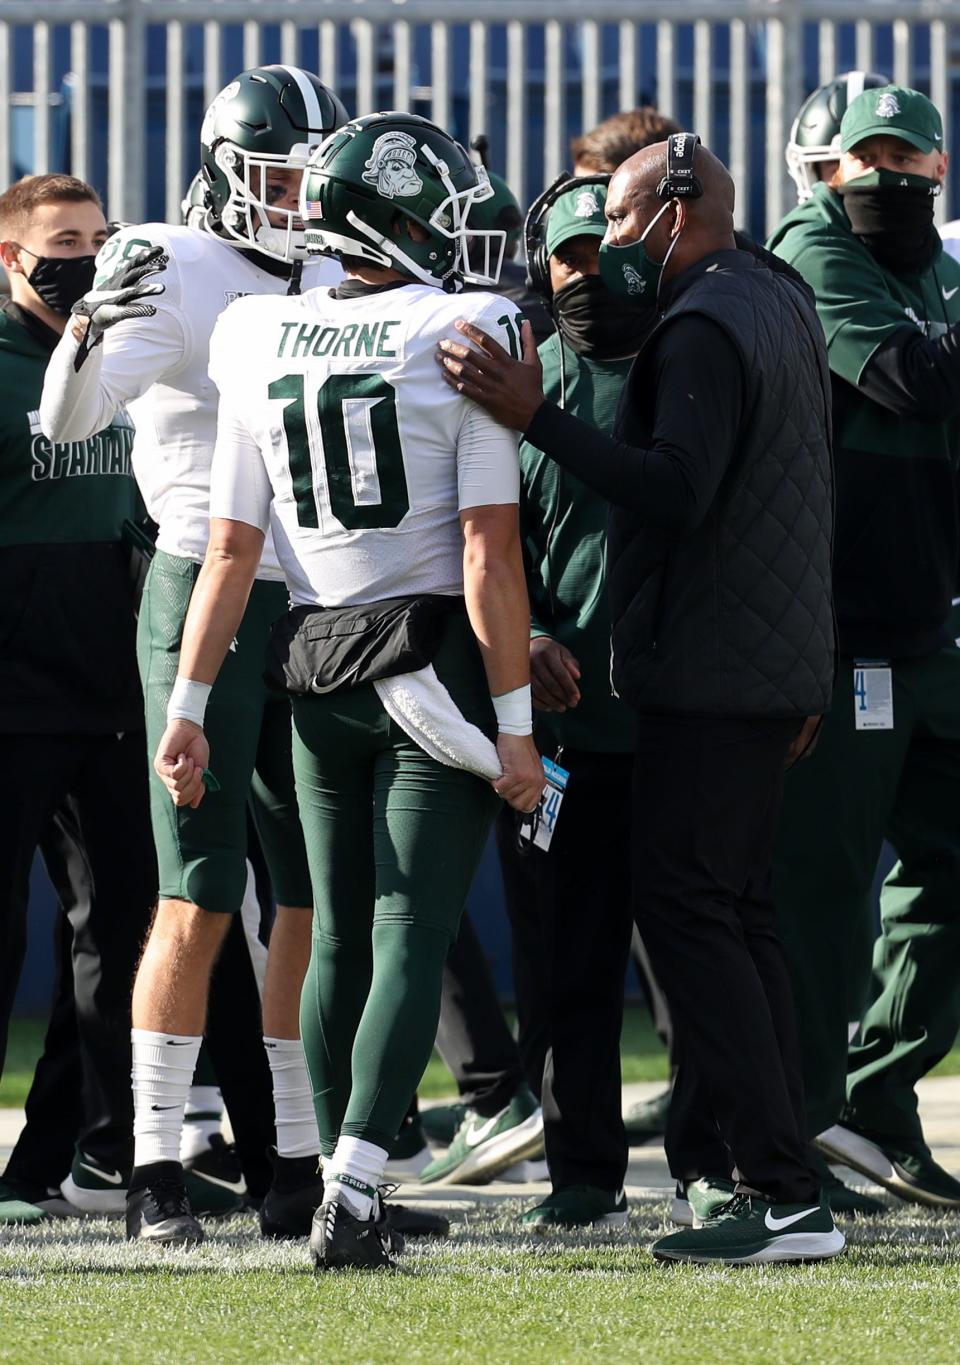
(872, 694)
(550, 803)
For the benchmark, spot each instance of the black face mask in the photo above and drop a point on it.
(892, 214)
(595, 322)
(59, 281)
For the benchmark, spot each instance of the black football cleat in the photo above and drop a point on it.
(158, 1209)
(295, 1194)
(410, 1222)
(340, 1240)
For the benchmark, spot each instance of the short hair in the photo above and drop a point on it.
(619, 137)
(18, 203)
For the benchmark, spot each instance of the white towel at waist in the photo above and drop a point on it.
(421, 705)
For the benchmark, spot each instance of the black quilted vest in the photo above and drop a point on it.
(736, 618)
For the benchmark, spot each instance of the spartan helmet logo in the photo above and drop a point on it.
(390, 167)
(888, 106)
(635, 285)
(228, 93)
(586, 205)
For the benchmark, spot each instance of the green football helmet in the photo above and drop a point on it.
(815, 135)
(269, 118)
(378, 170)
(196, 204)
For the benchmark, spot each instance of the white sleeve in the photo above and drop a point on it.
(488, 467)
(132, 356)
(240, 488)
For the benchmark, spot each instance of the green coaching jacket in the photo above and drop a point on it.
(564, 528)
(897, 542)
(67, 618)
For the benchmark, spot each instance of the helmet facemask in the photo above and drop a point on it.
(800, 160)
(248, 215)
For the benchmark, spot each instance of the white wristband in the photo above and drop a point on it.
(514, 712)
(188, 700)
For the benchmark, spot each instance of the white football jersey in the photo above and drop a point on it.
(158, 368)
(337, 428)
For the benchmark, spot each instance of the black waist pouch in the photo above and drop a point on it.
(332, 649)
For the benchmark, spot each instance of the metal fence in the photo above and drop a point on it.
(112, 89)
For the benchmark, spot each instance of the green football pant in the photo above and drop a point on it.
(859, 788)
(393, 839)
(202, 853)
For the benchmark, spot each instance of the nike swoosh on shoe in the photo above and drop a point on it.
(235, 1187)
(479, 1133)
(111, 1177)
(778, 1224)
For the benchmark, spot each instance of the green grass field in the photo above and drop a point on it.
(77, 1293)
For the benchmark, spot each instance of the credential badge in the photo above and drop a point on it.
(390, 167)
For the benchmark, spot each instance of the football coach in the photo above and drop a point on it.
(719, 476)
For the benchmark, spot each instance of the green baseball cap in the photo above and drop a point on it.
(893, 111)
(577, 213)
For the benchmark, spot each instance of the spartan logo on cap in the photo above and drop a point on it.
(586, 205)
(888, 106)
(228, 93)
(635, 285)
(390, 167)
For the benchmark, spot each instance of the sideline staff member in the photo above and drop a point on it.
(71, 712)
(719, 577)
(888, 763)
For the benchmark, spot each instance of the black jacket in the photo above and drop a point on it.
(720, 478)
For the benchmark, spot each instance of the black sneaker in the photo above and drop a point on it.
(400, 1221)
(295, 1194)
(844, 1199)
(213, 1179)
(158, 1209)
(340, 1239)
(420, 1222)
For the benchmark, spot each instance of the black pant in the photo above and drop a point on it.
(570, 907)
(706, 801)
(234, 1037)
(85, 797)
(473, 1037)
(54, 1107)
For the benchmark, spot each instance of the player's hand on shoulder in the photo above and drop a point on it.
(522, 781)
(120, 296)
(182, 757)
(511, 390)
(554, 673)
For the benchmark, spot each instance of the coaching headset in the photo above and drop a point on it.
(535, 228)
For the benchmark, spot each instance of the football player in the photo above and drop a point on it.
(145, 344)
(379, 486)
(813, 152)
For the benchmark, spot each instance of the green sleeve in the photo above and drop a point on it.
(531, 533)
(856, 309)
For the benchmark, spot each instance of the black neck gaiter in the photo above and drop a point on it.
(892, 214)
(596, 323)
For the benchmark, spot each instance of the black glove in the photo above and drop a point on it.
(119, 297)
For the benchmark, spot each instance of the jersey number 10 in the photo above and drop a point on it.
(332, 396)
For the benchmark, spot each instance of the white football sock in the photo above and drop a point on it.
(353, 1173)
(202, 1118)
(163, 1066)
(296, 1122)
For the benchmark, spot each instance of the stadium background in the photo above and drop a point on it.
(114, 91)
